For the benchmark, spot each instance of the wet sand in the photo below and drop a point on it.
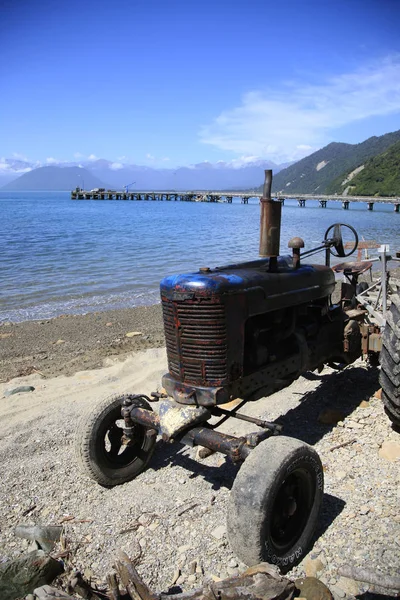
(71, 343)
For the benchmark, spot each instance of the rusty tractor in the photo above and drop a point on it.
(244, 331)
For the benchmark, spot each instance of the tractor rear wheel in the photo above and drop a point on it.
(275, 503)
(100, 448)
(390, 362)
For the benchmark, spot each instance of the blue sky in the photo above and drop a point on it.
(175, 82)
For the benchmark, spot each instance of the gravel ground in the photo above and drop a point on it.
(171, 519)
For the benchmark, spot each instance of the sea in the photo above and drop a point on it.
(62, 256)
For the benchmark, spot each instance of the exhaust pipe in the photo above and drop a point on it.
(270, 223)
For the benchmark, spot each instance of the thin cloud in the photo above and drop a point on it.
(291, 123)
(19, 156)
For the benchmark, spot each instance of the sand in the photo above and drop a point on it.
(71, 343)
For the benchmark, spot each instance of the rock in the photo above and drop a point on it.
(192, 567)
(313, 589)
(338, 592)
(175, 577)
(3, 336)
(232, 572)
(21, 576)
(58, 342)
(364, 404)
(45, 592)
(108, 324)
(364, 510)
(46, 536)
(192, 578)
(378, 394)
(349, 586)
(313, 566)
(354, 425)
(390, 451)
(18, 390)
(131, 334)
(330, 416)
(219, 532)
(233, 564)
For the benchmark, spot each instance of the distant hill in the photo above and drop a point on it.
(201, 176)
(321, 171)
(379, 176)
(54, 179)
(237, 175)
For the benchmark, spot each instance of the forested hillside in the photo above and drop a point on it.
(324, 170)
(379, 177)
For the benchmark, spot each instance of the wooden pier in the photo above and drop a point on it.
(201, 196)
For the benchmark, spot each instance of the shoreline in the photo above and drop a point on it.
(66, 344)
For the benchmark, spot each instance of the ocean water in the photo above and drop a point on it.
(60, 256)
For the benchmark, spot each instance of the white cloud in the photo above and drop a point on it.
(7, 166)
(78, 155)
(19, 156)
(291, 123)
(150, 156)
(92, 157)
(52, 161)
(115, 166)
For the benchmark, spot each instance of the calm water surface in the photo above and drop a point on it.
(61, 256)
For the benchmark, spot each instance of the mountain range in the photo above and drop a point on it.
(20, 175)
(369, 168)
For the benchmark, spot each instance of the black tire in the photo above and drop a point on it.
(390, 362)
(105, 459)
(282, 475)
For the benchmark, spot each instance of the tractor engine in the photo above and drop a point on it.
(245, 331)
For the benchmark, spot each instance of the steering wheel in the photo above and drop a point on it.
(336, 240)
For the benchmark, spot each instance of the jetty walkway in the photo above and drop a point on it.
(201, 196)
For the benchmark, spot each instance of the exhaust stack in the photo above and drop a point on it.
(270, 223)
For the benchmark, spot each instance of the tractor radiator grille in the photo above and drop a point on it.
(195, 334)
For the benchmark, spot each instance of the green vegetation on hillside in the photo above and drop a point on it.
(323, 171)
(380, 176)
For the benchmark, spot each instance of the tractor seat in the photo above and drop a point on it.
(353, 268)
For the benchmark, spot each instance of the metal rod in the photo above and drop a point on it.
(258, 422)
(234, 447)
(143, 416)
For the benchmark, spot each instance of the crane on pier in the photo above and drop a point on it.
(126, 187)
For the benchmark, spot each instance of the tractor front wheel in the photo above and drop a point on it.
(100, 447)
(390, 362)
(275, 503)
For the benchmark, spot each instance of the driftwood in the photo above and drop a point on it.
(261, 582)
(371, 577)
